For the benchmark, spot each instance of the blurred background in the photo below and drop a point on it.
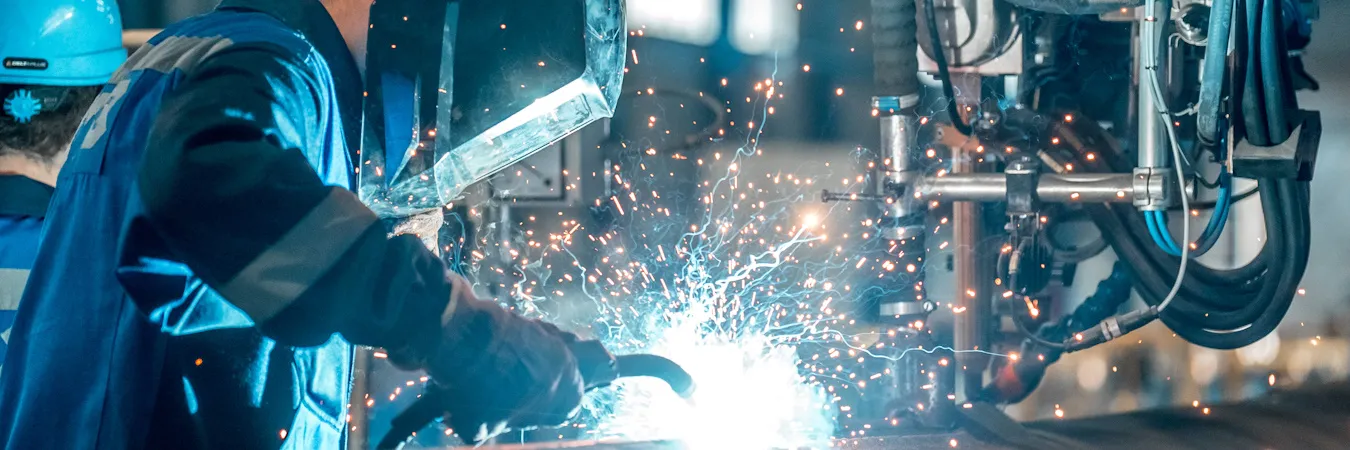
(693, 62)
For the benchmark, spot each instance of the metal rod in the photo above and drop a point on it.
(1056, 188)
(993, 187)
(971, 324)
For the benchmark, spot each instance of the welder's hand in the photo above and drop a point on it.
(498, 370)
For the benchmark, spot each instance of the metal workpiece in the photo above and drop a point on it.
(1154, 189)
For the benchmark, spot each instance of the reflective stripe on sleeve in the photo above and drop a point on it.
(278, 276)
(12, 282)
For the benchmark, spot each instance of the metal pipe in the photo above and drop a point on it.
(1057, 188)
(972, 298)
(895, 70)
(898, 143)
(1152, 141)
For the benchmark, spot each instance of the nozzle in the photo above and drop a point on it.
(655, 366)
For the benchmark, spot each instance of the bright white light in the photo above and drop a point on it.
(1262, 352)
(764, 26)
(750, 395)
(810, 221)
(1092, 373)
(696, 22)
(1205, 364)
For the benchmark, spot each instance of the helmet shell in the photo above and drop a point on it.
(60, 43)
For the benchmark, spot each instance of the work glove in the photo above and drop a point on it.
(496, 370)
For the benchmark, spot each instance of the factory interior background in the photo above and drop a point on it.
(814, 59)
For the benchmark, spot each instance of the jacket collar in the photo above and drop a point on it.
(311, 19)
(21, 196)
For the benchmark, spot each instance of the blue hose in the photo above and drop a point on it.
(1157, 223)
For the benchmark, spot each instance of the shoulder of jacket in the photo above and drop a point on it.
(186, 44)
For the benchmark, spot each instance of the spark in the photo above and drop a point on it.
(743, 292)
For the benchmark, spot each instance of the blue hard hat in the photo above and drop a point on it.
(60, 43)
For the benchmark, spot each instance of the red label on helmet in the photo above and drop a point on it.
(26, 63)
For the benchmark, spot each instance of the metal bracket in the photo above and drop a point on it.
(1293, 158)
(1023, 175)
(1155, 189)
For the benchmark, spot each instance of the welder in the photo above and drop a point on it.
(53, 58)
(209, 190)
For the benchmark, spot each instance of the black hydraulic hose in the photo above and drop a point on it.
(1213, 288)
(1278, 304)
(1224, 317)
(1266, 99)
(1276, 79)
(1253, 111)
(944, 74)
(1250, 299)
(1225, 308)
(1209, 114)
(1157, 270)
(1225, 283)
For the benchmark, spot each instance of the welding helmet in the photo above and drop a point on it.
(459, 89)
(60, 43)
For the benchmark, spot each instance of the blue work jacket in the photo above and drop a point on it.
(23, 204)
(118, 345)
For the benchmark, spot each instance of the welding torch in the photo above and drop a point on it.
(598, 368)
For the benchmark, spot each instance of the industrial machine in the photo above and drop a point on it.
(1041, 120)
(1129, 117)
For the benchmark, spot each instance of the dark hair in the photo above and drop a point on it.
(49, 132)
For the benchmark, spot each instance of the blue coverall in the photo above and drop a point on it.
(210, 264)
(23, 204)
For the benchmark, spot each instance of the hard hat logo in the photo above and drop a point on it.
(22, 106)
(26, 63)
